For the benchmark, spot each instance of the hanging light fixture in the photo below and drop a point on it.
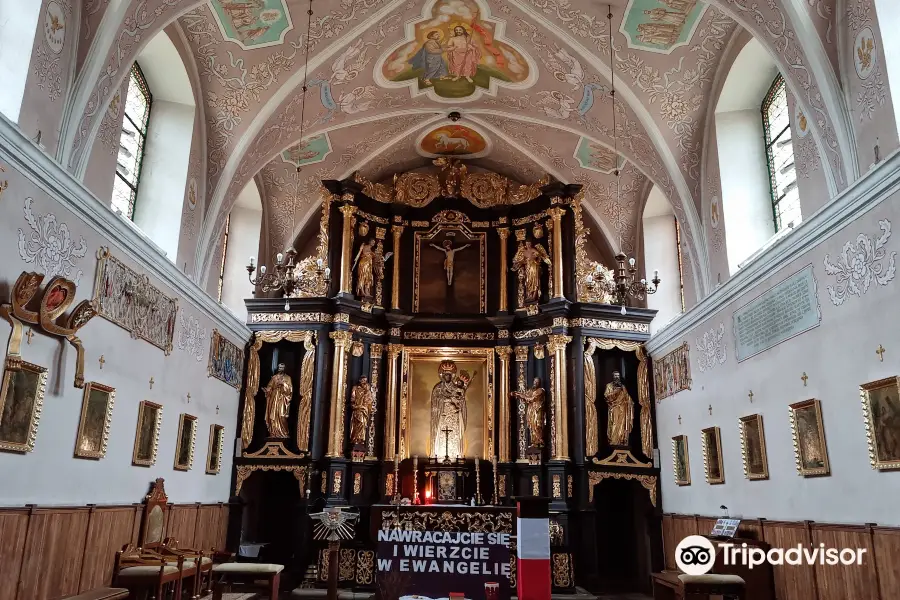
(284, 277)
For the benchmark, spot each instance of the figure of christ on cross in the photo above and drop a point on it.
(446, 431)
(449, 253)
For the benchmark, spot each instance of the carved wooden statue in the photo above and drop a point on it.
(278, 403)
(361, 406)
(527, 262)
(368, 266)
(621, 412)
(535, 401)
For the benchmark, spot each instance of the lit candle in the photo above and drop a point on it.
(252, 260)
(262, 269)
(655, 274)
(279, 257)
(320, 262)
(631, 261)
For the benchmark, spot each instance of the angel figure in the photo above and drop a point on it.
(357, 100)
(351, 61)
(556, 104)
(454, 173)
(527, 262)
(566, 68)
(369, 266)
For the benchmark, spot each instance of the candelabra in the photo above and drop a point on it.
(622, 284)
(309, 277)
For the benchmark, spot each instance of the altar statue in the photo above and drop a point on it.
(278, 403)
(448, 411)
(307, 373)
(621, 411)
(535, 399)
(366, 264)
(361, 406)
(527, 262)
(449, 256)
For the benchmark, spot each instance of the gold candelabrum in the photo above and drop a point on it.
(622, 285)
(287, 275)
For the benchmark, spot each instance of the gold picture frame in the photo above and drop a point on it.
(808, 430)
(146, 436)
(880, 402)
(184, 443)
(713, 467)
(214, 450)
(93, 426)
(21, 402)
(753, 448)
(681, 460)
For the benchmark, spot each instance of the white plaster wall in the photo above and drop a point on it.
(661, 253)
(837, 356)
(243, 242)
(18, 25)
(746, 199)
(164, 174)
(889, 20)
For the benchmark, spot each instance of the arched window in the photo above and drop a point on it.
(662, 252)
(780, 157)
(131, 144)
(18, 24)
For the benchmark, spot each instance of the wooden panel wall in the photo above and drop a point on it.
(878, 578)
(52, 552)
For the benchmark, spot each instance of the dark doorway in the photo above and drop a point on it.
(623, 536)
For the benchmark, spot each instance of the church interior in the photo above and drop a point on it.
(387, 270)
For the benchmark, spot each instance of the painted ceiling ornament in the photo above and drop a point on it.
(801, 123)
(453, 139)
(715, 212)
(661, 25)
(859, 265)
(253, 23)
(49, 246)
(596, 157)
(865, 53)
(454, 52)
(192, 193)
(309, 151)
(55, 27)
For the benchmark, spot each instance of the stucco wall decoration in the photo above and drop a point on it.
(451, 139)
(661, 25)
(454, 52)
(49, 246)
(596, 157)
(859, 265)
(253, 23)
(309, 151)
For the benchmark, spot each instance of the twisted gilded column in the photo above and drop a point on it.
(559, 422)
(348, 211)
(521, 366)
(342, 340)
(375, 352)
(503, 232)
(397, 230)
(557, 213)
(390, 410)
(503, 353)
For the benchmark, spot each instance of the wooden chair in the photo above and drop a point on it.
(201, 560)
(101, 594)
(257, 577)
(670, 585)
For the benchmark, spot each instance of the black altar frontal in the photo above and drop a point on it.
(442, 352)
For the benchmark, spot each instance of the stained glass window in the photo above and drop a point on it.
(780, 155)
(131, 143)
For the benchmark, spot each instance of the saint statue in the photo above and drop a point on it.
(535, 399)
(448, 411)
(527, 262)
(361, 406)
(278, 403)
(621, 411)
(449, 255)
(307, 372)
(367, 265)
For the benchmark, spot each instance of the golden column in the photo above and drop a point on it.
(521, 366)
(397, 230)
(375, 353)
(390, 410)
(342, 340)
(503, 232)
(557, 214)
(503, 432)
(559, 423)
(347, 248)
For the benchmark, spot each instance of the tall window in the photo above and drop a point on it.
(780, 155)
(131, 143)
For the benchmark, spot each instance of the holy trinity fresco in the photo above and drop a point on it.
(253, 23)
(453, 51)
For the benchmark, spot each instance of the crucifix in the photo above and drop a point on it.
(189, 398)
(710, 410)
(750, 395)
(446, 431)
(217, 409)
(880, 352)
(101, 361)
(29, 335)
(151, 383)
(449, 254)
(804, 377)
(679, 419)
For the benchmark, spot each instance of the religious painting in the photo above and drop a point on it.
(753, 448)
(146, 437)
(712, 456)
(661, 25)
(447, 402)
(184, 443)
(459, 254)
(810, 451)
(309, 151)
(93, 426)
(214, 451)
(226, 360)
(460, 141)
(21, 401)
(865, 53)
(881, 408)
(253, 23)
(596, 157)
(672, 372)
(453, 51)
(681, 460)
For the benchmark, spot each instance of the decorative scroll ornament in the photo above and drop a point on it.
(49, 246)
(243, 472)
(591, 278)
(56, 298)
(648, 481)
(711, 348)
(859, 265)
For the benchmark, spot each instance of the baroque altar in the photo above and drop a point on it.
(443, 346)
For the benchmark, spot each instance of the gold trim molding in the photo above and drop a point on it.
(291, 318)
(244, 471)
(648, 481)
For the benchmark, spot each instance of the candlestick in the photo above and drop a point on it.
(416, 479)
(477, 481)
(397, 480)
(494, 464)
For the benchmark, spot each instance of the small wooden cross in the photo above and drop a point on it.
(750, 395)
(29, 335)
(679, 419)
(151, 383)
(880, 352)
(710, 410)
(189, 398)
(804, 377)
(217, 409)
(101, 361)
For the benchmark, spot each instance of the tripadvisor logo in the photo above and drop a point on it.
(695, 555)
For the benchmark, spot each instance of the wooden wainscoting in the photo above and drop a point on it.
(878, 578)
(52, 552)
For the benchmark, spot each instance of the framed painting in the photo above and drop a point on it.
(681, 460)
(753, 447)
(881, 409)
(21, 401)
(214, 452)
(712, 455)
(810, 450)
(93, 426)
(184, 444)
(226, 360)
(146, 437)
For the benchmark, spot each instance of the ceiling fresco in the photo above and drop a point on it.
(661, 25)
(451, 139)
(253, 23)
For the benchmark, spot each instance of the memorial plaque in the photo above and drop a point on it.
(786, 310)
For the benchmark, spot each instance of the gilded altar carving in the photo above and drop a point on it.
(389, 484)
(291, 318)
(535, 400)
(559, 416)
(502, 486)
(557, 486)
(369, 267)
(475, 521)
(448, 410)
(361, 401)
(307, 373)
(587, 271)
(366, 330)
(347, 564)
(569, 485)
(527, 264)
(621, 412)
(357, 484)
(342, 341)
(609, 324)
(532, 333)
(365, 567)
(563, 575)
(648, 481)
(278, 393)
(591, 423)
(557, 534)
(336, 483)
(244, 471)
(535, 485)
(309, 278)
(448, 335)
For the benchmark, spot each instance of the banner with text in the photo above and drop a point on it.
(436, 565)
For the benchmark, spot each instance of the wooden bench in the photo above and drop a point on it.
(253, 577)
(671, 585)
(101, 594)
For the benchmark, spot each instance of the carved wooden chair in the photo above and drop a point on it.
(201, 560)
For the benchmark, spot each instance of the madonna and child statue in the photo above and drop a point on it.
(448, 411)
